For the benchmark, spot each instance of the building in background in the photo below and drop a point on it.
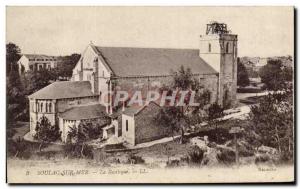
(35, 62)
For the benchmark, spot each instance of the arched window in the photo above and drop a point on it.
(50, 107)
(227, 47)
(38, 107)
(46, 107)
(209, 47)
(41, 107)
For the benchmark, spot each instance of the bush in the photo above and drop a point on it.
(219, 137)
(212, 145)
(245, 150)
(74, 151)
(286, 156)
(134, 159)
(173, 163)
(19, 148)
(226, 157)
(262, 158)
(195, 155)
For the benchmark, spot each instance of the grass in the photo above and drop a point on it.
(156, 155)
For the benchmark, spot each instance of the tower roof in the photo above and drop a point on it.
(216, 28)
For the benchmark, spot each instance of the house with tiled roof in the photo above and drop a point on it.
(111, 69)
(139, 124)
(64, 102)
(36, 62)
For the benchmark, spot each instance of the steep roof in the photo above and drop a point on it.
(134, 110)
(127, 61)
(84, 112)
(64, 89)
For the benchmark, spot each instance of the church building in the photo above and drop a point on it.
(104, 70)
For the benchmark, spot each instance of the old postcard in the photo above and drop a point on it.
(150, 94)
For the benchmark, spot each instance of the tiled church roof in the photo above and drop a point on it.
(64, 89)
(127, 61)
(84, 112)
(134, 110)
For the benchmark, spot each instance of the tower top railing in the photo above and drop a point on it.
(216, 28)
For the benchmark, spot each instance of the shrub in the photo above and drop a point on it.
(134, 159)
(262, 158)
(220, 137)
(226, 157)
(73, 150)
(286, 157)
(245, 150)
(195, 155)
(173, 163)
(19, 148)
(212, 145)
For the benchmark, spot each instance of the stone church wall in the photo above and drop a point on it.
(144, 84)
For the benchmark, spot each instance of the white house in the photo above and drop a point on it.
(36, 62)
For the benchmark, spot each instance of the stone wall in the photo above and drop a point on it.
(228, 73)
(147, 128)
(128, 134)
(37, 109)
(144, 84)
(64, 104)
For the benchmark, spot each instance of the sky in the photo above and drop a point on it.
(262, 31)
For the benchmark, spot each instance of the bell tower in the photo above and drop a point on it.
(219, 49)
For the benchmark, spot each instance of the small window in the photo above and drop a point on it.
(227, 47)
(209, 47)
(50, 107)
(46, 107)
(126, 125)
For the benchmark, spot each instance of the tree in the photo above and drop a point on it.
(215, 111)
(67, 64)
(272, 122)
(13, 54)
(79, 135)
(14, 88)
(36, 80)
(173, 118)
(84, 132)
(242, 75)
(45, 132)
(177, 118)
(274, 75)
(182, 78)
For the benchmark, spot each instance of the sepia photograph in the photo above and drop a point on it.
(150, 94)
